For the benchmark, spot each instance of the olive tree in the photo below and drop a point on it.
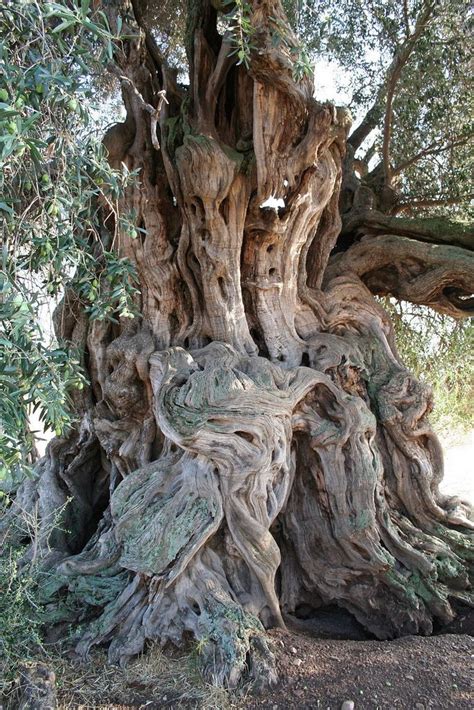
(249, 445)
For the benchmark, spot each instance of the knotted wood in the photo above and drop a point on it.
(252, 443)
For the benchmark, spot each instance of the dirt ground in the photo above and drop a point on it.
(325, 663)
(411, 672)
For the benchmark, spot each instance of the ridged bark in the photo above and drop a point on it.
(252, 444)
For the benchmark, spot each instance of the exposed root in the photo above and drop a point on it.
(208, 488)
(341, 467)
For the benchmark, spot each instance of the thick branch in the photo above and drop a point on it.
(371, 120)
(438, 276)
(436, 230)
(432, 202)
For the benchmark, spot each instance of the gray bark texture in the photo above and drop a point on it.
(252, 444)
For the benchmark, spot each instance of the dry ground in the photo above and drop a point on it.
(408, 673)
(412, 672)
(317, 670)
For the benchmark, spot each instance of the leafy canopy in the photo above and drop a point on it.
(420, 50)
(54, 177)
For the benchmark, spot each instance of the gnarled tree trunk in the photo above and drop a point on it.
(252, 443)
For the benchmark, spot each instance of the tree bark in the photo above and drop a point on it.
(252, 443)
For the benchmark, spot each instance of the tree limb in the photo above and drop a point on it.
(397, 67)
(376, 112)
(152, 110)
(433, 149)
(438, 276)
(432, 202)
(370, 121)
(435, 230)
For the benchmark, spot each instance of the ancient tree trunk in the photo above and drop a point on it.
(252, 444)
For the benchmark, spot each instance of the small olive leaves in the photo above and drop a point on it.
(34, 377)
(239, 25)
(53, 177)
(302, 64)
(238, 22)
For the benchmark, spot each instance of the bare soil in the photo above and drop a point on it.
(411, 672)
(324, 662)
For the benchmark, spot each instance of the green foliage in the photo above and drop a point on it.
(238, 22)
(20, 616)
(439, 350)
(432, 109)
(54, 183)
(32, 376)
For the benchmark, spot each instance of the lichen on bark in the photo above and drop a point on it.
(251, 443)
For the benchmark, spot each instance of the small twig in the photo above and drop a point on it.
(154, 112)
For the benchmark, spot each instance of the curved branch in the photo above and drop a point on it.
(152, 110)
(438, 276)
(436, 230)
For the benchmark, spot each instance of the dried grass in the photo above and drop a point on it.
(153, 680)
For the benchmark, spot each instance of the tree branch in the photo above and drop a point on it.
(376, 112)
(152, 110)
(438, 276)
(397, 67)
(433, 149)
(225, 61)
(370, 121)
(436, 230)
(432, 202)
